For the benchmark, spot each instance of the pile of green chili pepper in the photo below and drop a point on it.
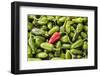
(57, 37)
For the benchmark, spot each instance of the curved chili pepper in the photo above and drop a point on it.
(55, 37)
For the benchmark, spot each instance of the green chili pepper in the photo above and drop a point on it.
(58, 44)
(38, 50)
(65, 39)
(62, 19)
(77, 44)
(51, 18)
(40, 37)
(85, 19)
(66, 46)
(53, 30)
(79, 37)
(71, 34)
(68, 55)
(68, 28)
(78, 20)
(75, 51)
(64, 25)
(46, 34)
(43, 20)
(85, 28)
(57, 17)
(44, 27)
(47, 46)
(85, 46)
(32, 44)
(84, 35)
(62, 55)
(42, 55)
(37, 31)
(30, 26)
(38, 41)
(78, 30)
(31, 16)
(72, 29)
(62, 29)
(50, 25)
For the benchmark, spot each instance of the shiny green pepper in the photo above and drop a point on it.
(38, 50)
(75, 51)
(43, 20)
(65, 39)
(79, 37)
(53, 30)
(62, 19)
(77, 44)
(30, 26)
(84, 35)
(78, 20)
(44, 27)
(47, 46)
(37, 31)
(85, 46)
(50, 25)
(71, 34)
(58, 44)
(66, 46)
(62, 55)
(68, 54)
(42, 55)
(40, 37)
(51, 18)
(38, 41)
(68, 26)
(62, 29)
(72, 29)
(79, 28)
(85, 28)
(32, 44)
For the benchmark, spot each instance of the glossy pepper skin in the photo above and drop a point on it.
(55, 37)
(77, 44)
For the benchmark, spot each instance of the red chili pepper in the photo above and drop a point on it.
(55, 37)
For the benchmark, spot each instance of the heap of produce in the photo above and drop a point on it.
(57, 37)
